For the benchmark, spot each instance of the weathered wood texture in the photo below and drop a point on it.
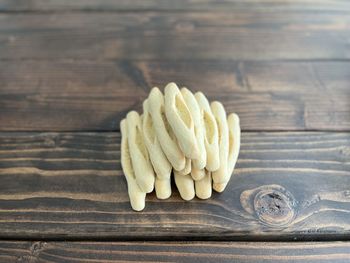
(181, 35)
(173, 252)
(179, 5)
(70, 185)
(95, 95)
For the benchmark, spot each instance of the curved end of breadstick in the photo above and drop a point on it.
(163, 188)
(155, 91)
(137, 197)
(203, 187)
(200, 97)
(197, 174)
(185, 92)
(185, 185)
(219, 187)
(235, 119)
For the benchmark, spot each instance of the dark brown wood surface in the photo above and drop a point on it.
(172, 36)
(286, 186)
(170, 5)
(89, 95)
(173, 252)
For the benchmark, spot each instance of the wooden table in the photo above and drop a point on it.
(70, 70)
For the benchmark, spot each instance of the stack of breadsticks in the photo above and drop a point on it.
(178, 132)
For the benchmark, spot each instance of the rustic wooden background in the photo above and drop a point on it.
(70, 70)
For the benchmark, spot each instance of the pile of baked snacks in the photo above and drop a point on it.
(180, 133)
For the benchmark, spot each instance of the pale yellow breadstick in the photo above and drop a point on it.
(203, 187)
(163, 130)
(234, 145)
(187, 168)
(185, 185)
(218, 110)
(196, 114)
(197, 174)
(211, 133)
(160, 163)
(180, 120)
(163, 188)
(234, 141)
(139, 156)
(220, 187)
(136, 195)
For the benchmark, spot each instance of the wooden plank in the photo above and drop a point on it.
(174, 252)
(157, 35)
(179, 5)
(95, 95)
(286, 186)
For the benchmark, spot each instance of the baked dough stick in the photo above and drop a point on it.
(234, 145)
(187, 168)
(197, 174)
(163, 188)
(180, 120)
(139, 156)
(163, 130)
(218, 110)
(160, 163)
(210, 133)
(185, 185)
(197, 118)
(136, 195)
(203, 187)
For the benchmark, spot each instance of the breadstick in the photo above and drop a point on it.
(180, 120)
(234, 145)
(211, 133)
(136, 195)
(220, 187)
(138, 152)
(197, 174)
(218, 110)
(185, 185)
(234, 141)
(163, 130)
(195, 111)
(160, 163)
(163, 188)
(203, 187)
(187, 168)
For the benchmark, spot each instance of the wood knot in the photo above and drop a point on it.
(34, 253)
(273, 205)
(36, 248)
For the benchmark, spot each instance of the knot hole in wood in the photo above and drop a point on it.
(273, 205)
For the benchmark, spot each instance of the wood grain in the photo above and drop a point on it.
(287, 186)
(171, 36)
(173, 252)
(96, 95)
(179, 5)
